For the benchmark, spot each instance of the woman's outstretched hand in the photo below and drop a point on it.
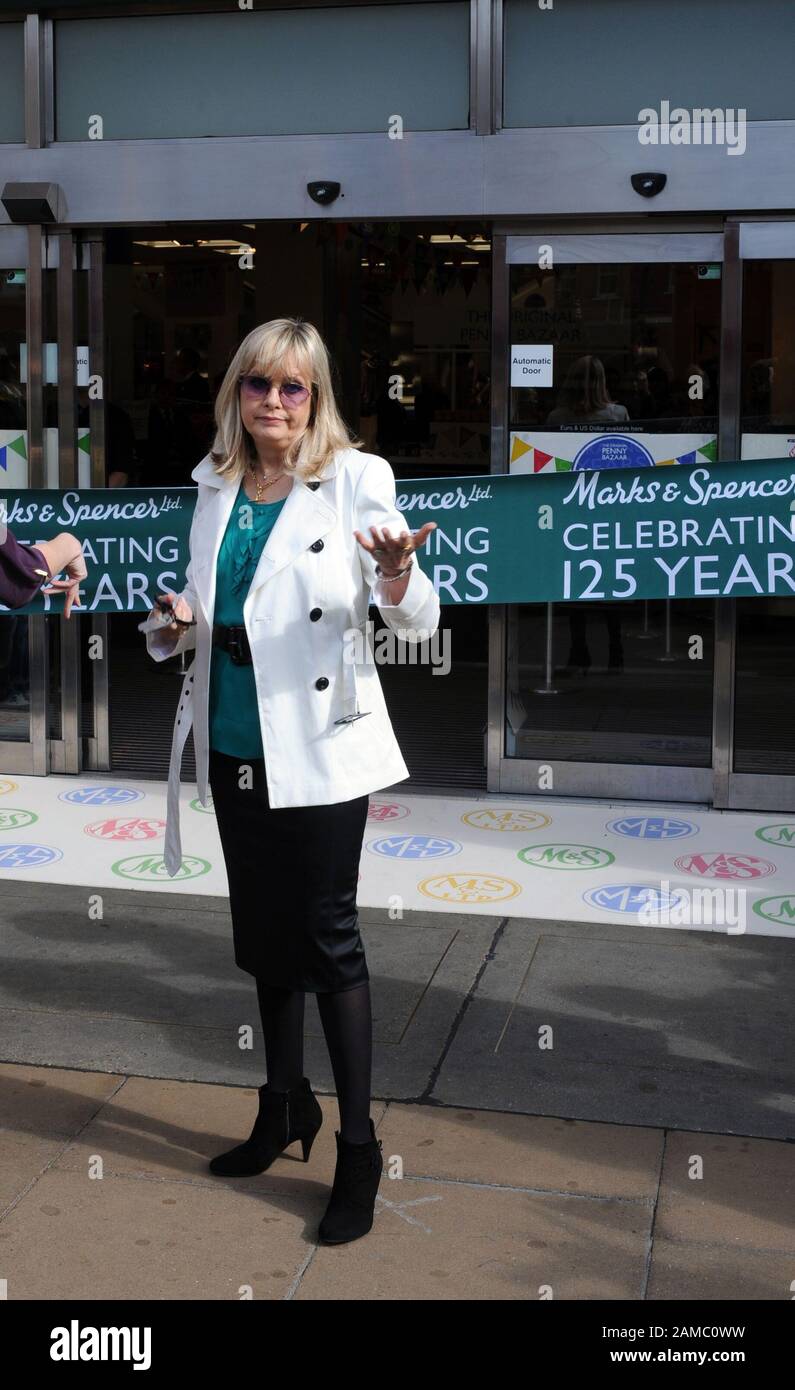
(392, 553)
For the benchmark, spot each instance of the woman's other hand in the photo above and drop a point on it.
(169, 634)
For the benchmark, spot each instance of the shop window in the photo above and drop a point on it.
(12, 87)
(273, 72)
(600, 62)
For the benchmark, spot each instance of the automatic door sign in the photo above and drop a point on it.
(208, 810)
(7, 786)
(493, 818)
(715, 864)
(414, 846)
(101, 796)
(469, 888)
(652, 827)
(135, 828)
(532, 364)
(566, 857)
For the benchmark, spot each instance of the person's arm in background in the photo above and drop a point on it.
(59, 551)
(64, 552)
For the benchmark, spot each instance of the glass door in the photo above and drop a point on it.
(608, 694)
(763, 754)
(43, 321)
(23, 638)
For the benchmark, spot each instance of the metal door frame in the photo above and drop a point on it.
(22, 248)
(81, 252)
(67, 253)
(619, 242)
(747, 238)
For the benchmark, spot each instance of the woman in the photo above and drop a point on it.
(585, 399)
(291, 734)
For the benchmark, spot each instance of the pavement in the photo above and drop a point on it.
(600, 1110)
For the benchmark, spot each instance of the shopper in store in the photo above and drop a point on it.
(584, 398)
(293, 526)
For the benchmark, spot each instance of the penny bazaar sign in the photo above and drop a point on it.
(722, 531)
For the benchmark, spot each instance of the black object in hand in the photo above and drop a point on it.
(168, 608)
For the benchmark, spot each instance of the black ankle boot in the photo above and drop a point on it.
(349, 1213)
(284, 1116)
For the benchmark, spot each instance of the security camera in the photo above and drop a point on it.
(323, 191)
(649, 185)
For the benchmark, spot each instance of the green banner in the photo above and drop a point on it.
(135, 541)
(721, 531)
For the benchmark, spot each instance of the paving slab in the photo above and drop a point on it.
(151, 988)
(657, 1028)
(689, 1273)
(630, 1026)
(706, 1176)
(106, 1195)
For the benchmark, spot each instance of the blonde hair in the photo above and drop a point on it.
(272, 348)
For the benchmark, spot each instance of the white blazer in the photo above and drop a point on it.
(311, 560)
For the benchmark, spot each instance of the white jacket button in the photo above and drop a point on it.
(316, 545)
(315, 614)
(321, 682)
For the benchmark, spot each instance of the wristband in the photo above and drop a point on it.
(387, 578)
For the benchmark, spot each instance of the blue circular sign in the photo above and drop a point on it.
(653, 827)
(613, 451)
(632, 898)
(414, 846)
(27, 856)
(101, 796)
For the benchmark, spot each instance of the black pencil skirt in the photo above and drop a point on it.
(293, 877)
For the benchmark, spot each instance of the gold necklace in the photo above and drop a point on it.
(261, 488)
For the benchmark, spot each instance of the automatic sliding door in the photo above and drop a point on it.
(24, 640)
(609, 693)
(763, 772)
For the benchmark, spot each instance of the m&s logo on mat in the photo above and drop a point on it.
(711, 864)
(490, 818)
(469, 888)
(566, 857)
(11, 819)
(28, 856)
(101, 796)
(386, 810)
(133, 829)
(414, 847)
(150, 868)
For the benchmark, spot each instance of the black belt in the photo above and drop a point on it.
(233, 640)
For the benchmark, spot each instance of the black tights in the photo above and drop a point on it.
(348, 1028)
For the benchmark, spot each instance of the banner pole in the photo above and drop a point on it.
(548, 688)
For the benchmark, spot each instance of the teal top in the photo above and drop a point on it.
(233, 712)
